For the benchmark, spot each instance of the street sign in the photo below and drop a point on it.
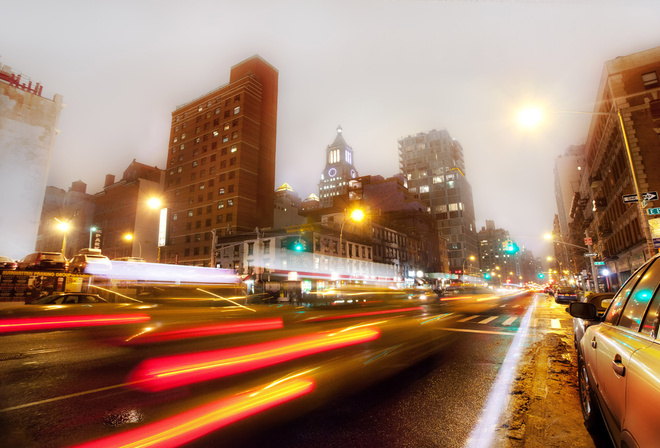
(653, 211)
(650, 196)
(599, 263)
(591, 254)
(588, 241)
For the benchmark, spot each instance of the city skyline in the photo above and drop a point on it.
(381, 74)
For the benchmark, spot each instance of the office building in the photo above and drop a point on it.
(434, 167)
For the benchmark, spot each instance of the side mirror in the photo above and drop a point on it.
(583, 310)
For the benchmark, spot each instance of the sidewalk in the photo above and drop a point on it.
(544, 406)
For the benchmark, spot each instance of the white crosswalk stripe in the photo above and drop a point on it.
(509, 321)
(468, 318)
(489, 319)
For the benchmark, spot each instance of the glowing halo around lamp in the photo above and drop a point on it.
(530, 117)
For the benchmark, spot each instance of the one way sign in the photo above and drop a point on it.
(650, 196)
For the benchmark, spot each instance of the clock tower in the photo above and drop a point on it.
(338, 171)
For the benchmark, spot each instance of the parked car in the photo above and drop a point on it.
(619, 360)
(69, 299)
(566, 294)
(601, 301)
(43, 261)
(87, 257)
(7, 264)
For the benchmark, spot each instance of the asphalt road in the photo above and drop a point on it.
(60, 388)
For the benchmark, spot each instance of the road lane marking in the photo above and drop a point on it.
(441, 316)
(469, 318)
(489, 319)
(483, 434)
(509, 321)
(554, 323)
(63, 397)
(465, 330)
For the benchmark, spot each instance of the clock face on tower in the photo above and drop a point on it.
(332, 172)
(353, 174)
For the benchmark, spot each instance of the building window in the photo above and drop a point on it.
(226, 127)
(225, 138)
(230, 188)
(230, 217)
(221, 204)
(230, 202)
(221, 190)
(190, 213)
(232, 161)
(217, 110)
(181, 147)
(231, 175)
(250, 249)
(175, 216)
(237, 109)
(234, 134)
(216, 133)
(424, 189)
(194, 164)
(234, 148)
(650, 79)
(218, 219)
(266, 247)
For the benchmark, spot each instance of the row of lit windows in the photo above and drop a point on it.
(214, 133)
(209, 105)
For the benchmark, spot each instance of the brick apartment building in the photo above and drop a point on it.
(620, 231)
(220, 175)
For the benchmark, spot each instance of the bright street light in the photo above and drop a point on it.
(154, 203)
(63, 226)
(129, 237)
(530, 117)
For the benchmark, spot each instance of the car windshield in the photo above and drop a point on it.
(566, 291)
(52, 257)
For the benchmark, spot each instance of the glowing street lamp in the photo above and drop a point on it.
(91, 231)
(471, 258)
(129, 237)
(356, 215)
(63, 226)
(531, 116)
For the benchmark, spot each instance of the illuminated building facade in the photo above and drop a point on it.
(434, 167)
(619, 231)
(220, 175)
(74, 206)
(122, 209)
(28, 126)
(338, 171)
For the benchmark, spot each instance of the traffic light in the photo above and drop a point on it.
(300, 245)
(296, 244)
(510, 247)
(487, 276)
(541, 275)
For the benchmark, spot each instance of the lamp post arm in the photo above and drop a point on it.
(572, 245)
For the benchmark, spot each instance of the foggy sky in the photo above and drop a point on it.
(380, 69)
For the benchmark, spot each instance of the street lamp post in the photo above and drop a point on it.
(594, 272)
(91, 231)
(63, 226)
(356, 215)
(531, 117)
(129, 237)
(471, 258)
